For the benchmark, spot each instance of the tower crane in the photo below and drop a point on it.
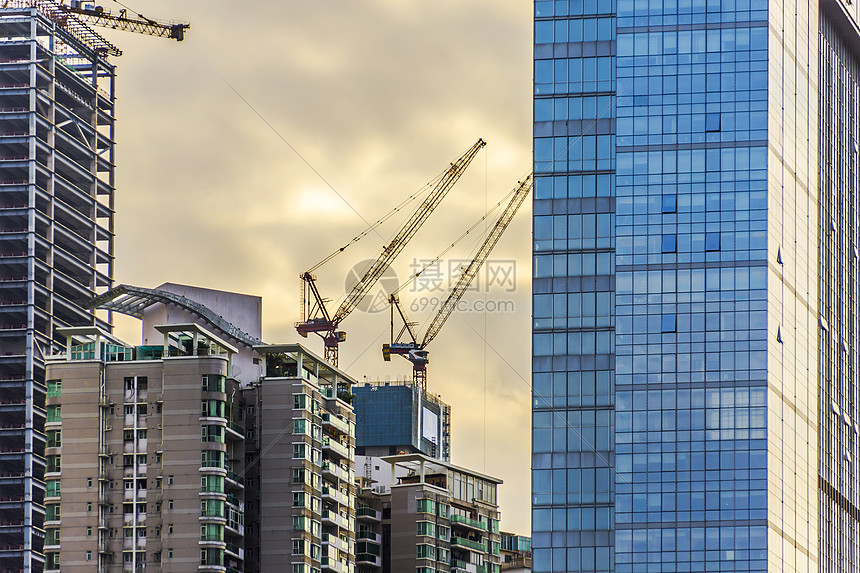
(98, 16)
(76, 16)
(316, 317)
(416, 352)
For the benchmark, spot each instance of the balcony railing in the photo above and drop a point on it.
(462, 542)
(473, 523)
(335, 446)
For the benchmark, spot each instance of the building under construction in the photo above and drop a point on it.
(56, 235)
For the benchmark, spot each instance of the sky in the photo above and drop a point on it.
(277, 129)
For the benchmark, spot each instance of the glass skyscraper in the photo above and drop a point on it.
(695, 291)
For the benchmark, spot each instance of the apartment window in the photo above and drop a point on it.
(299, 451)
(55, 438)
(170, 530)
(129, 383)
(55, 413)
(89, 482)
(89, 531)
(54, 388)
(169, 504)
(129, 410)
(298, 546)
(158, 457)
(426, 506)
(298, 475)
(89, 555)
(158, 407)
(89, 506)
(170, 553)
(300, 401)
(169, 480)
(298, 498)
(425, 551)
(300, 426)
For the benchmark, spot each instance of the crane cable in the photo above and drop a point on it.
(379, 222)
(457, 241)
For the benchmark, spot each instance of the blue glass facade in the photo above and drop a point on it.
(681, 278)
(399, 417)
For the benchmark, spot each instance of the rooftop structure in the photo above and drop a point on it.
(399, 417)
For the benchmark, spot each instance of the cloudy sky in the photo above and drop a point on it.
(378, 96)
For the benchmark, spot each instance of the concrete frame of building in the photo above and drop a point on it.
(56, 239)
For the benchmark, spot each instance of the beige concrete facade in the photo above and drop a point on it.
(145, 460)
(435, 517)
(306, 466)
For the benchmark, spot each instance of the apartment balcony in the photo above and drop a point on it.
(129, 521)
(368, 560)
(332, 446)
(130, 495)
(368, 514)
(469, 523)
(236, 479)
(329, 564)
(332, 494)
(235, 551)
(371, 536)
(468, 544)
(235, 431)
(338, 424)
(130, 544)
(334, 541)
(331, 518)
(333, 469)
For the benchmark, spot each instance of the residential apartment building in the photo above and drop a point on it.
(145, 454)
(695, 286)
(516, 553)
(303, 463)
(56, 237)
(398, 417)
(435, 516)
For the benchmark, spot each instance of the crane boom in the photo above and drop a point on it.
(315, 316)
(122, 21)
(392, 249)
(417, 353)
(471, 271)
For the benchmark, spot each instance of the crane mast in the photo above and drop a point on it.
(417, 352)
(315, 315)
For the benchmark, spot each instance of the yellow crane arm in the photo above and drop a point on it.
(484, 251)
(406, 232)
(140, 24)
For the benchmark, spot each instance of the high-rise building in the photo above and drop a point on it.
(56, 238)
(428, 515)
(695, 328)
(303, 463)
(145, 454)
(398, 417)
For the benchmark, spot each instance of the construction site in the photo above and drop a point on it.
(58, 303)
